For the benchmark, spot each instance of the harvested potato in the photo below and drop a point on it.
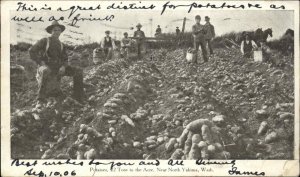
(111, 129)
(204, 153)
(196, 138)
(91, 154)
(137, 144)
(195, 126)
(202, 144)
(170, 145)
(271, 137)
(177, 154)
(80, 155)
(218, 147)
(211, 149)
(206, 134)
(194, 153)
(183, 137)
(187, 146)
(262, 128)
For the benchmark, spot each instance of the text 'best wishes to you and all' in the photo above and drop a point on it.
(96, 166)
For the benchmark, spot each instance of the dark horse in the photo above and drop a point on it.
(257, 36)
(262, 36)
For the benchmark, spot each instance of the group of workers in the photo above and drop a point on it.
(51, 56)
(108, 43)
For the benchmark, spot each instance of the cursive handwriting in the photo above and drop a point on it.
(234, 171)
(67, 162)
(112, 164)
(91, 18)
(208, 162)
(74, 9)
(194, 5)
(17, 163)
(28, 19)
(131, 6)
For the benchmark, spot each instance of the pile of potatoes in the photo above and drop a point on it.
(85, 142)
(282, 116)
(199, 140)
(139, 114)
(114, 106)
(153, 141)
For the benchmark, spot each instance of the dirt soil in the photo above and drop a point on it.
(145, 108)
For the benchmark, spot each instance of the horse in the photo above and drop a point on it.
(287, 42)
(261, 36)
(289, 32)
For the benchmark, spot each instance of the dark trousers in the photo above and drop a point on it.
(202, 44)
(139, 48)
(248, 54)
(108, 53)
(49, 81)
(209, 46)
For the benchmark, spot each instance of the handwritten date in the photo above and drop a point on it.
(32, 172)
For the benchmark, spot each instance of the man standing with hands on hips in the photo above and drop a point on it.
(199, 32)
(50, 55)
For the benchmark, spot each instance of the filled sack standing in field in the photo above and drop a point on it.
(190, 55)
(258, 57)
(98, 56)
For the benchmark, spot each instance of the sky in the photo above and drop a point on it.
(223, 21)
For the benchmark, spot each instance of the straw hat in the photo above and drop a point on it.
(54, 24)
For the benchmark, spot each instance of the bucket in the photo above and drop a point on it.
(190, 57)
(98, 56)
(258, 55)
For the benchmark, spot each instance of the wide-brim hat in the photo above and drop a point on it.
(197, 17)
(138, 25)
(54, 24)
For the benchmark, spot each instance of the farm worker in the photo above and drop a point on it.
(158, 30)
(139, 35)
(51, 57)
(108, 44)
(125, 44)
(247, 46)
(210, 34)
(199, 32)
(177, 31)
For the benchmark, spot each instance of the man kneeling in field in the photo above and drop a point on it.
(51, 57)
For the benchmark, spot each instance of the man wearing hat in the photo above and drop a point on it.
(125, 45)
(199, 32)
(177, 31)
(248, 46)
(108, 44)
(50, 55)
(139, 35)
(158, 31)
(210, 34)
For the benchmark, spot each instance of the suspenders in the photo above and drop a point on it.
(47, 47)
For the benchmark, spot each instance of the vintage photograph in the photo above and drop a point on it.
(201, 85)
